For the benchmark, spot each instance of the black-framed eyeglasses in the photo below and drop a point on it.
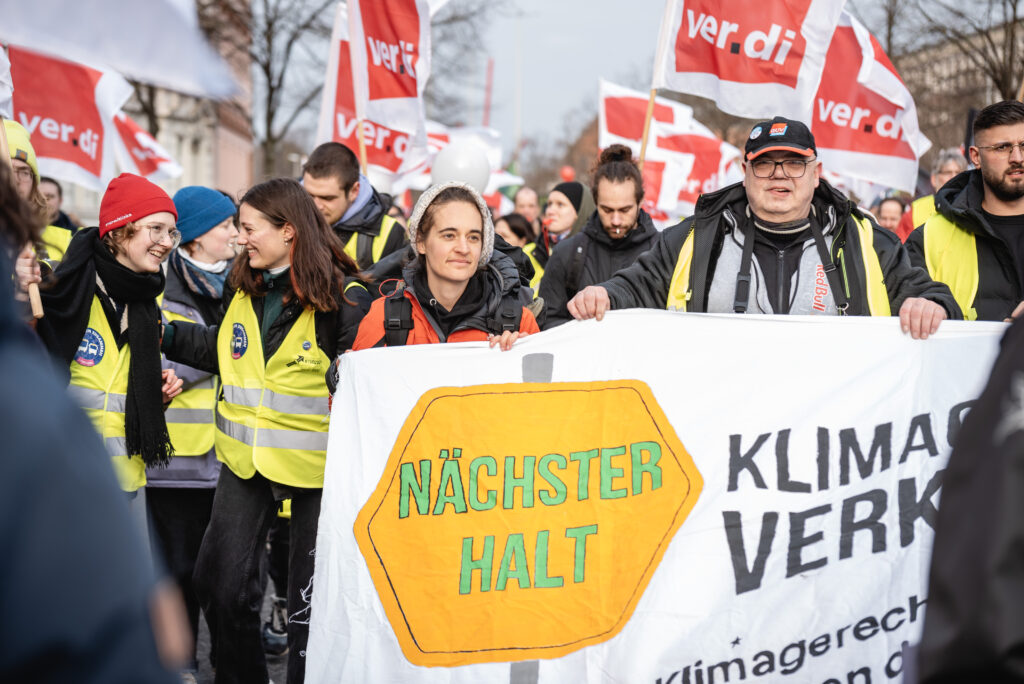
(791, 168)
(1003, 149)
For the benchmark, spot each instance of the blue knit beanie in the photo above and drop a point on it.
(200, 209)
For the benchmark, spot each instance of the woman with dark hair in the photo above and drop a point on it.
(295, 305)
(452, 291)
(613, 236)
(514, 228)
(102, 323)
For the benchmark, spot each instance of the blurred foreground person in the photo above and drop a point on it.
(973, 626)
(79, 598)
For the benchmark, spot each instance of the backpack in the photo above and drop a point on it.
(398, 317)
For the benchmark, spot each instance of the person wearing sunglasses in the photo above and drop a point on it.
(102, 323)
(781, 241)
(975, 241)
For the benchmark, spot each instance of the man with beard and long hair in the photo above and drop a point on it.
(975, 243)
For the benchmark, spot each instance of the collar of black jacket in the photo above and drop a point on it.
(827, 201)
(960, 199)
(366, 220)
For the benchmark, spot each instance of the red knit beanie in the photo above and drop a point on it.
(129, 198)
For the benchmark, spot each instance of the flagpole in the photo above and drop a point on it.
(33, 288)
(647, 128)
(362, 145)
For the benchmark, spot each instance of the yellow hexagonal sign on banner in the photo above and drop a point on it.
(523, 521)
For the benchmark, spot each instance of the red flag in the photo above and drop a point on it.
(138, 151)
(68, 110)
(754, 59)
(864, 120)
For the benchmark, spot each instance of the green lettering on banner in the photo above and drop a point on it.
(420, 488)
(540, 564)
(580, 534)
(608, 473)
(650, 466)
(584, 457)
(483, 564)
(556, 483)
(515, 554)
(451, 478)
(512, 483)
(474, 470)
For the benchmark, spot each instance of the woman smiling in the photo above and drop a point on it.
(452, 291)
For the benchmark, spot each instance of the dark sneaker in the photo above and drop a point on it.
(275, 632)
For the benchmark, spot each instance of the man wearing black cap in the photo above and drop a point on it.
(782, 241)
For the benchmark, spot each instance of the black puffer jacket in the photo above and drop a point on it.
(646, 283)
(999, 287)
(602, 256)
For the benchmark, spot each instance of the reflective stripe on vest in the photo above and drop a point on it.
(680, 289)
(951, 257)
(379, 242)
(272, 417)
(190, 416)
(99, 383)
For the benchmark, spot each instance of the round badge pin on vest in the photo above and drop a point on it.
(307, 345)
(239, 341)
(755, 133)
(90, 349)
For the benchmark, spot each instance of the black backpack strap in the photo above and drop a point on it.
(508, 317)
(575, 271)
(831, 272)
(739, 305)
(397, 318)
(364, 250)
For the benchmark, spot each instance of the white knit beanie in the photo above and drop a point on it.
(428, 197)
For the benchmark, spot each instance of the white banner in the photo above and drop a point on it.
(657, 497)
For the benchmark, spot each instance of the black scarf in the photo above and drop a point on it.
(67, 300)
(470, 302)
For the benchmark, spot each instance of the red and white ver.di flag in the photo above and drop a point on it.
(390, 48)
(864, 120)
(138, 151)
(68, 110)
(754, 59)
(390, 153)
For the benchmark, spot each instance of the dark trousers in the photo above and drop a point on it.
(227, 575)
(177, 522)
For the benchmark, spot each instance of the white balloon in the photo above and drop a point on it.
(464, 160)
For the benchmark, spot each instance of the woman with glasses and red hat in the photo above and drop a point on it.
(102, 322)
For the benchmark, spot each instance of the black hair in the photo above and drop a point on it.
(333, 159)
(518, 224)
(999, 114)
(617, 165)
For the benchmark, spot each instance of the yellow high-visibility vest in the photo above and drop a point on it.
(679, 290)
(56, 241)
(538, 270)
(99, 385)
(387, 224)
(192, 415)
(273, 417)
(951, 257)
(922, 209)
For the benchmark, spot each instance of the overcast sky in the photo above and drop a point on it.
(566, 46)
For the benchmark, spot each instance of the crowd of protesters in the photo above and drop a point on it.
(202, 337)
